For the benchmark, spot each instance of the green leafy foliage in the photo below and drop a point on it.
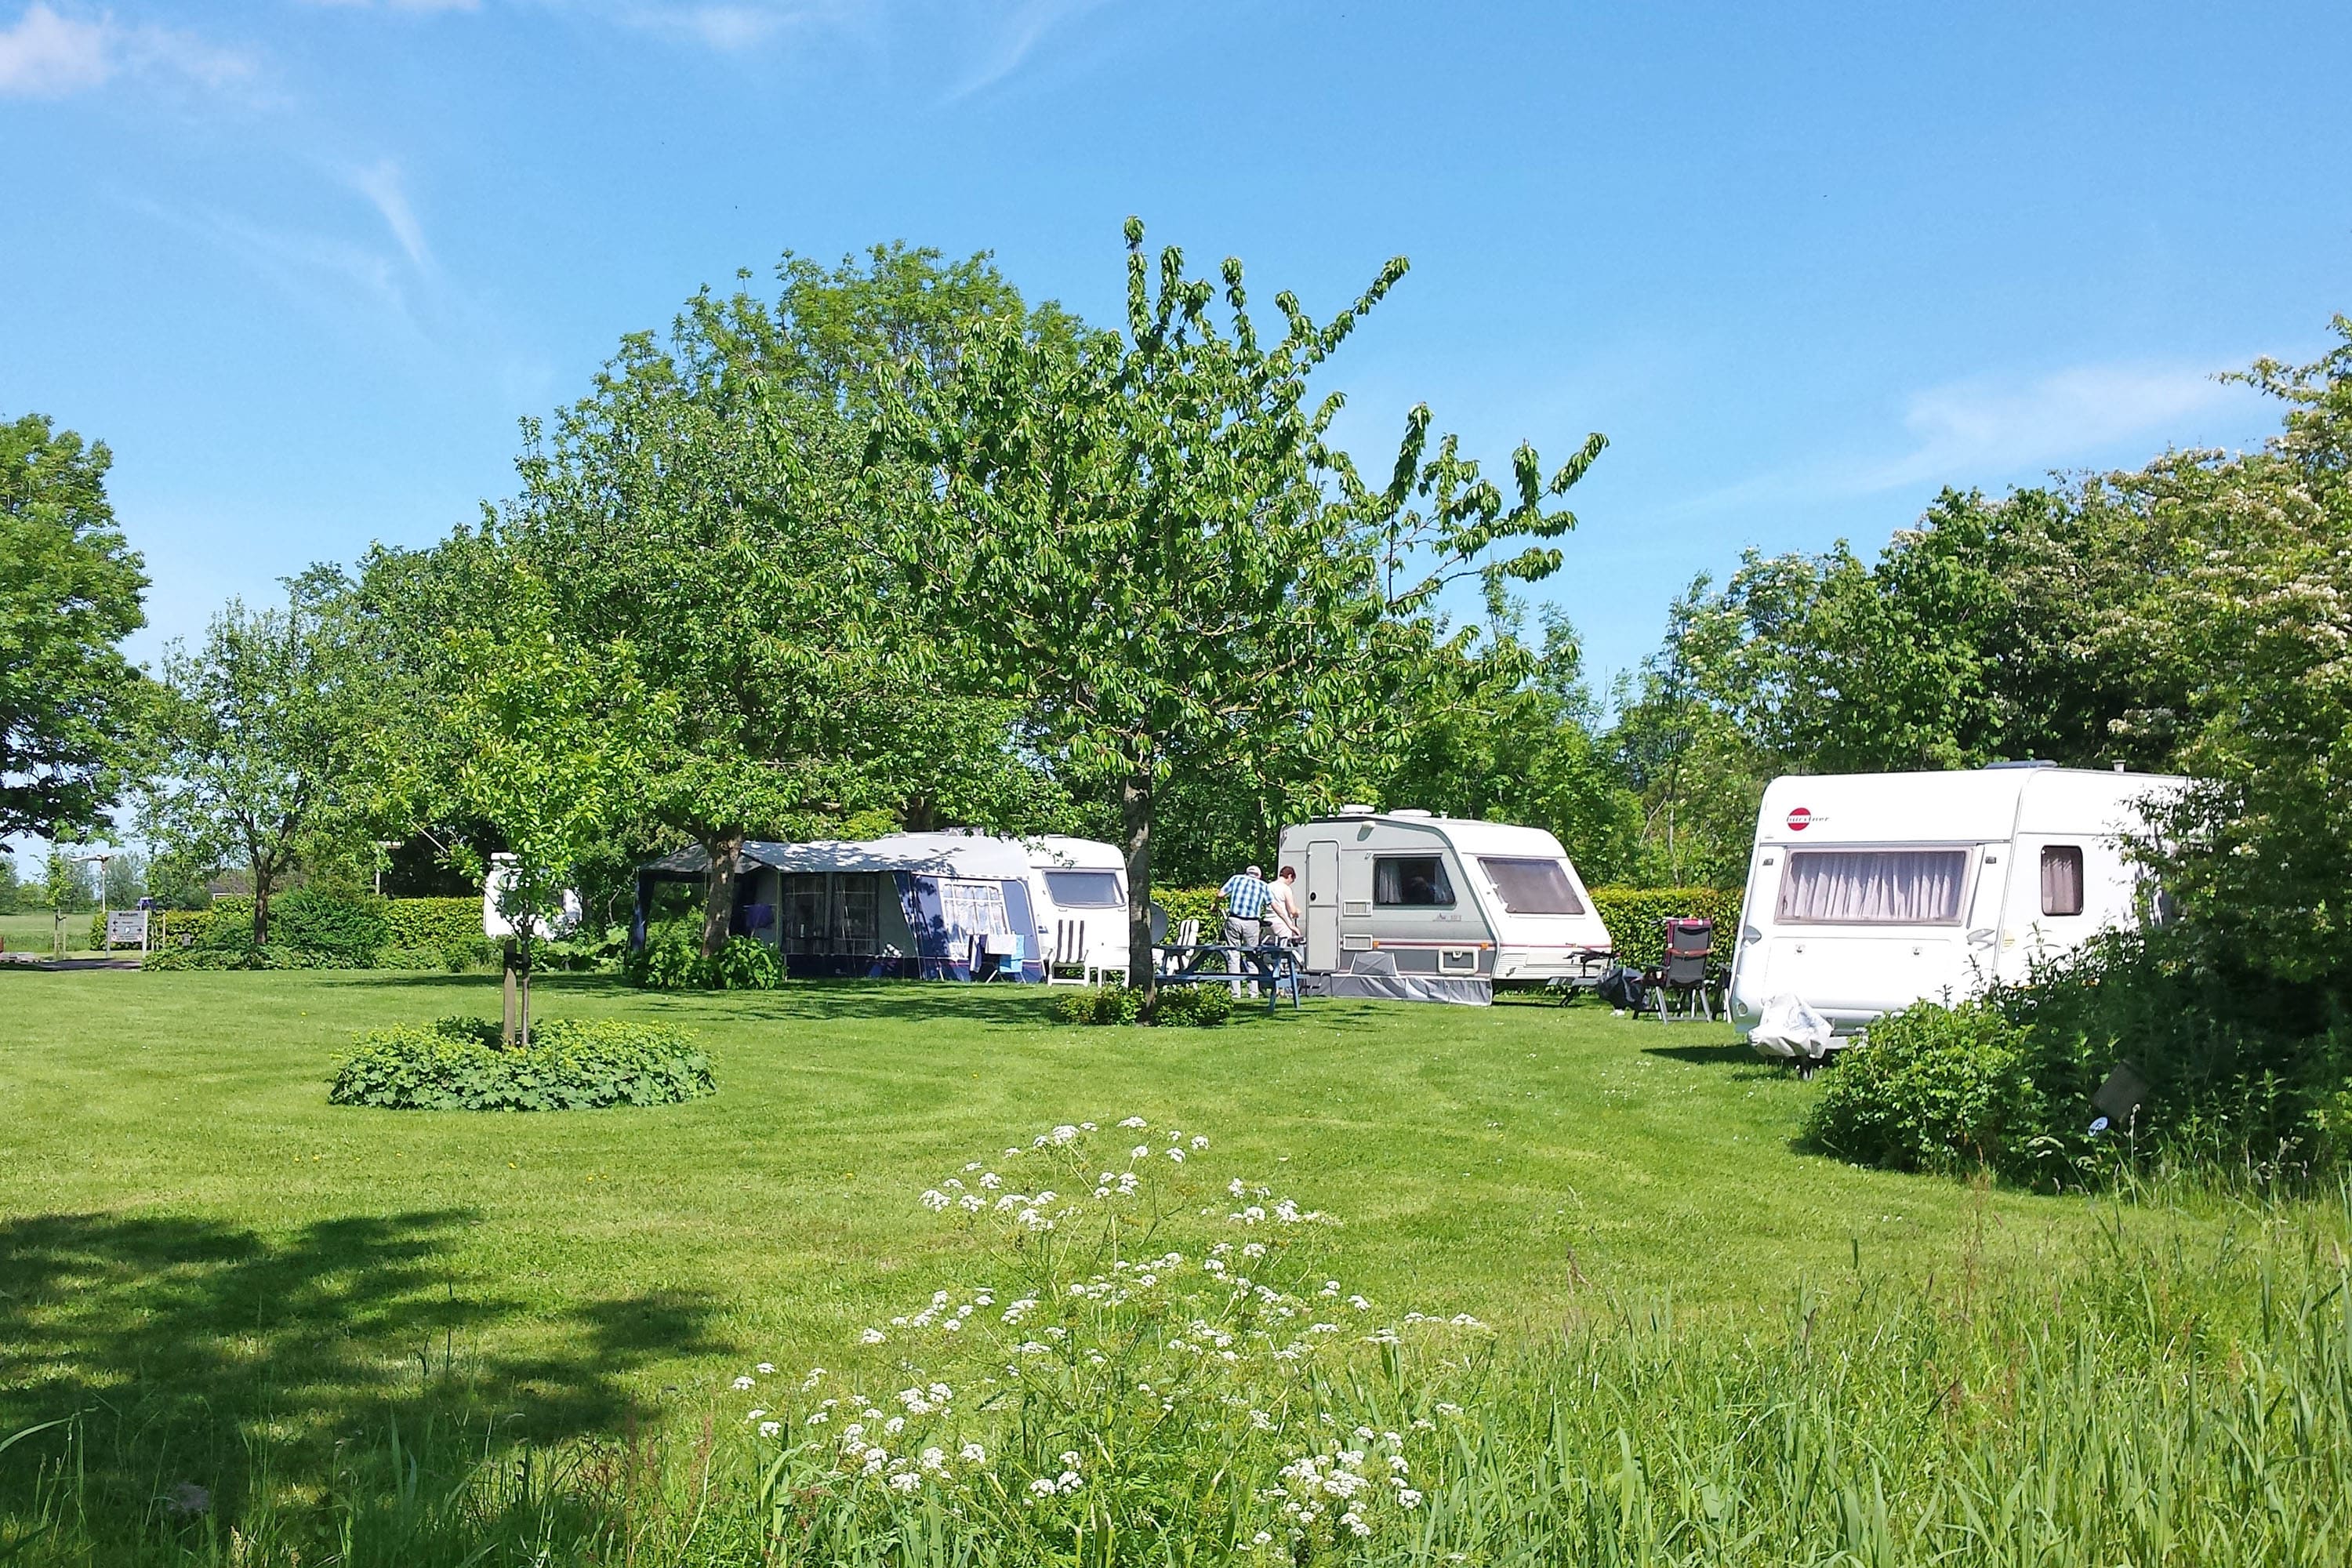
(256, 738)
(1636, 918)
(744, 964)
(346, 928)
(70, 704)
(1099, 1005)
(1934, 1088)
(1147, 537)
(1172, 1007)
(672, 959)
(1197, 1007)
(571, 1063)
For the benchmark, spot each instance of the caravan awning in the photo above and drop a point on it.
(974, 855)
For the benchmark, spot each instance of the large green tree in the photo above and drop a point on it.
(69, 594)
(258, 738)
(1147, 535)
(705, 503)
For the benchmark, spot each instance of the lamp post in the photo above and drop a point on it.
(101, 858)
(384, 849)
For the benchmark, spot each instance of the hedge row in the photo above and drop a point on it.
(435, 924)
(1634, 916)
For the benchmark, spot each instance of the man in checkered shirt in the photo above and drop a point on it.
(1245, 898)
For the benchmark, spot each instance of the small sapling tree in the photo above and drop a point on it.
(544, 741)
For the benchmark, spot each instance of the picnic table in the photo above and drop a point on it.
(1272, 964)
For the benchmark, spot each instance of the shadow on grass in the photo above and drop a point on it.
(1735, 1053)
(185, 1346)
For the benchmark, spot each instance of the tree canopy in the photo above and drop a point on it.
(70, 589)
(1148, 536)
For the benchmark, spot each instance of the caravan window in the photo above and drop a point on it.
(1085, 890)
(1874, 887)
(1412, 882)
(1533, 887)
(2061, 879)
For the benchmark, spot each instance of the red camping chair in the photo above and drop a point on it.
(1680, 983)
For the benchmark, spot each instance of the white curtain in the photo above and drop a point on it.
(1875, 887)
(2061, 879)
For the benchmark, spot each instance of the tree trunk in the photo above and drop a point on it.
(522, 996)
(265, 871)
(1135, 818)
(719, 901)
(507, 994)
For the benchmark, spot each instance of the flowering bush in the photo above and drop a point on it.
(571, 1063)
(1133, 1346)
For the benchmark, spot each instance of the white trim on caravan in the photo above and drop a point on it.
(1405, 904)
(1867, 893)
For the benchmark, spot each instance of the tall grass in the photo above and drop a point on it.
(2141, 1401)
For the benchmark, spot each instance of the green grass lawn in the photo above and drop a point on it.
(180, 1205)
(30, 933)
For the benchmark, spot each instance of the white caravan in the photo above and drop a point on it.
(1867, 893)
(1080, 882)
(1404, 904)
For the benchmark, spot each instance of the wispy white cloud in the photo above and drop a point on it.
(397, 4)
(53, 54)
(1988, 431)
(1983, 425)
(382, 184)
(1011, 40)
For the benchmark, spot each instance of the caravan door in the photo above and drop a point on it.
(1322, 905)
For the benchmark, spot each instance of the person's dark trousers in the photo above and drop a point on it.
(1240, 933)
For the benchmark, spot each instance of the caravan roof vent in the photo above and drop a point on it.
(1355, 811)
(1408, 811)
(2026, 763)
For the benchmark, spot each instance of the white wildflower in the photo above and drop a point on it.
(769, 1428)
(870, 1337)
(741, 1384)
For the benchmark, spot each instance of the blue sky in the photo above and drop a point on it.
(304, 264)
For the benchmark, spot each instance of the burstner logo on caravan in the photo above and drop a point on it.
(1799, 820)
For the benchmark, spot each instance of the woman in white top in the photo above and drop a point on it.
(1282, 912)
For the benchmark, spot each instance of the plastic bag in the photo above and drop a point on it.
(1789, 1028)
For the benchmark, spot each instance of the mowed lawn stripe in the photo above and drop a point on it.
(1522, 1163)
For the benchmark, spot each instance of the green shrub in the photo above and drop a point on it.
(672, 959)
(346, 929)
(571, 1063)
(1934, 1088)
(744, 964)
(1635, 919)
(1099, 1005)
(1189, 1006)
(1174, 1006)
(432, 922)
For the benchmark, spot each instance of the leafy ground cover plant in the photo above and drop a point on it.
(571, 1063)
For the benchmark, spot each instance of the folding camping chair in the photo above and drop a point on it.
(1005, 948)
(1680, 983)
(1070, 952)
